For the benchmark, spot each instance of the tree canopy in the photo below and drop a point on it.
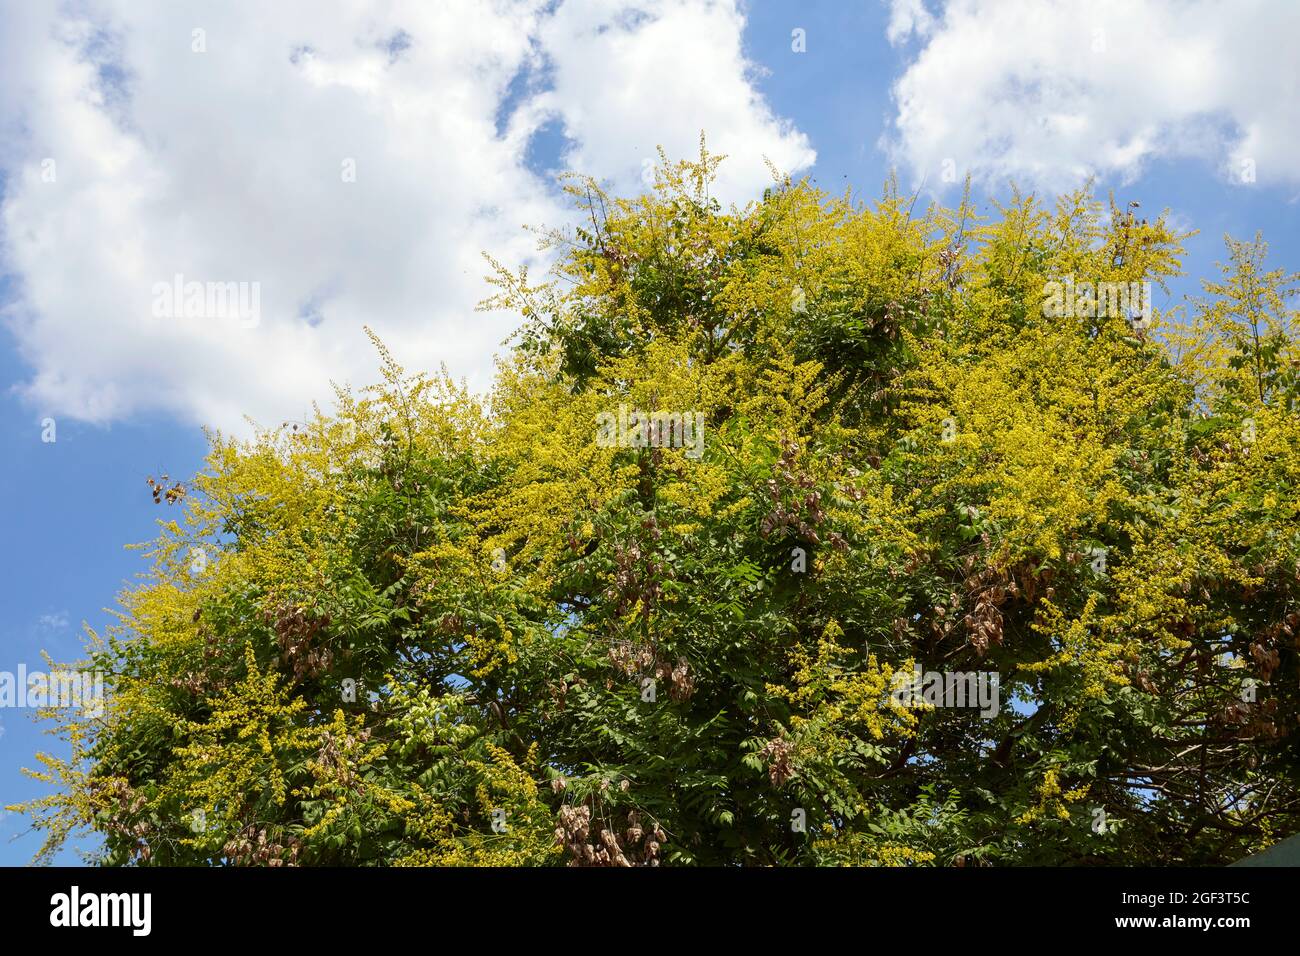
(431, 627)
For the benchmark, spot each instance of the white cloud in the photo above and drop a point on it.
(907, 17)
(661, 82)
(58, 621)
(1048, 93)
(228, 166)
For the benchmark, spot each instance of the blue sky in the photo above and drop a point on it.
(223, 153)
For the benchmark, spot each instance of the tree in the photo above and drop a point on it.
(665, 594)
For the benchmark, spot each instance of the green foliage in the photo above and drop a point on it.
(437, 630)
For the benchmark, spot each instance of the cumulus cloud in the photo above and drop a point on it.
(686, 61)
(1049, 93)
(346, 167)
